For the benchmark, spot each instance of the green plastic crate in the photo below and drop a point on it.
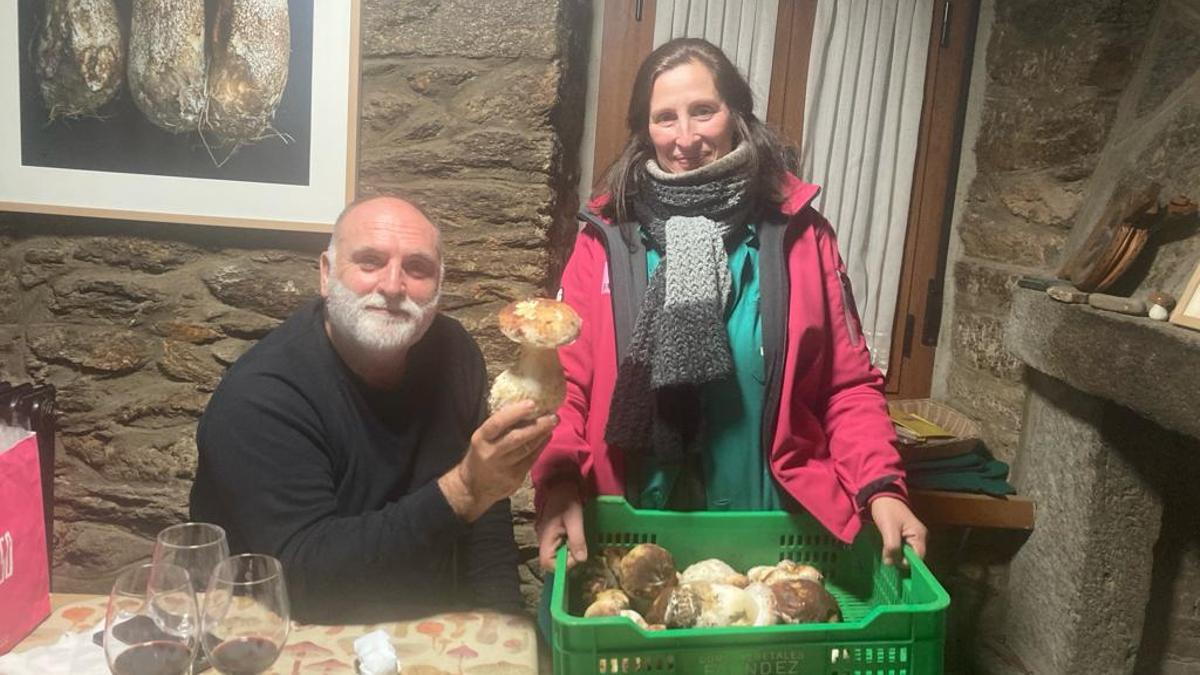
(893, 620)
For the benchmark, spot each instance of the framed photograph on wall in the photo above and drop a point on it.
(1187, 310)
(241, 113)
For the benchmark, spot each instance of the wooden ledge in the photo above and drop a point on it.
(964, 509)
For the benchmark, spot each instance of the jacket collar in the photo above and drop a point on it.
(797, 195)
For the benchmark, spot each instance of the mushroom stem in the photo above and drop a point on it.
(541, 366)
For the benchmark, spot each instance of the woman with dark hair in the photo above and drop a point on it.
(721, 363)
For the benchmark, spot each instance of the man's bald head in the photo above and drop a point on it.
(381, 207)
(381, 278)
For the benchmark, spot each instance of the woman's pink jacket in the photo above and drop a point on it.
(833, 437)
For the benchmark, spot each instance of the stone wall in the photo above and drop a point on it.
(1071, 101)
(1050, 92)
(468, 108)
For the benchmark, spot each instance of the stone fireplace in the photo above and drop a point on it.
(1109, 582)
(1071, 103)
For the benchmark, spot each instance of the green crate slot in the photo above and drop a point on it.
(893, 620)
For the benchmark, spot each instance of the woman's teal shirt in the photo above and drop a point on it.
(736, 474)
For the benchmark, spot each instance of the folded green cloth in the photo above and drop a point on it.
(975, 471)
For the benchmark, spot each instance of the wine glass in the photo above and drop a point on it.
(196, 547)
(151, 620)
(246, 616)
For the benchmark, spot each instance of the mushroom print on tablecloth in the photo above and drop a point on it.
(462, 652)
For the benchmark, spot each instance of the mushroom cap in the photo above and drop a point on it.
(761, 605)
(723, 605)
(713, 570)
(539, 322)
(782, 571)
(644, 572)
(805, 601)
(607, 603)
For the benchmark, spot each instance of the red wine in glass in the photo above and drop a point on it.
(244, 656)
(159, 657)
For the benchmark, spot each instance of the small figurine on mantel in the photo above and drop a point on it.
(1161, 305)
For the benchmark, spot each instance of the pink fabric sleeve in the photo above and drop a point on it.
(567, 456)
(856, 422)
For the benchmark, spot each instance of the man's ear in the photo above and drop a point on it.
(326, 269)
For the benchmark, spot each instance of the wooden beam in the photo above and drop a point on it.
(938, 507)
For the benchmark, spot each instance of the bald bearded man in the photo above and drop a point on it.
(352, 442)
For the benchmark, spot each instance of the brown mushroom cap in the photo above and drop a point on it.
(804, 601)
(539, 322)
(644, 572)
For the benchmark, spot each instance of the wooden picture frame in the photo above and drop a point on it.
(1187, 309)
(114, 161)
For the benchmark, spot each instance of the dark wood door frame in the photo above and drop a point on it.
(627, 39)
(923, 274)
(789, 67)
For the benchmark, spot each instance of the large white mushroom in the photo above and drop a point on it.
(540, 326)
(714, 571)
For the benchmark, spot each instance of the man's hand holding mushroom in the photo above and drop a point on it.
(522, 401)
(502, 450)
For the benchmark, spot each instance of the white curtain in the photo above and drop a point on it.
(744, 30)
(866, 82)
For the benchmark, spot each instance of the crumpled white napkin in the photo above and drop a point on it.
(376, 655)
(73, 654)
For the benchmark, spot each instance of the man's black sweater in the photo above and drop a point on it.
(301, 460)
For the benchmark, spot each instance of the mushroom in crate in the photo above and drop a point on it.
(713, 571)
(646, 572)
(805, 601)
(540, 326)
(643, 585)
(783, 570)
(597, 574)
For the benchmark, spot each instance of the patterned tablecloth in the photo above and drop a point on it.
(454, 643)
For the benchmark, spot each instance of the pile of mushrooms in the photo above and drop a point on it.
(643, 585)
(540, 326)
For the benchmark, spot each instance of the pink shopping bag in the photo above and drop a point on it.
(24, 570)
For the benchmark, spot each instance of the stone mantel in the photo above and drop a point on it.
(1111, 400)
(1150, 367)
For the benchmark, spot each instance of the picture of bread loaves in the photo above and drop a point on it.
(79, 56)
(249, 69)
(167, 62)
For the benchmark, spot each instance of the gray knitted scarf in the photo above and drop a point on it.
(679, 340)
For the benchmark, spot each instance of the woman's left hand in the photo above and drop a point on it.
(898, 526)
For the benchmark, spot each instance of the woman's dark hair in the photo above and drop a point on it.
(770, 159)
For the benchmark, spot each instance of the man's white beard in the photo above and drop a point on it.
(353, 316)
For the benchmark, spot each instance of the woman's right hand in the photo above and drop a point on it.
(562, 516)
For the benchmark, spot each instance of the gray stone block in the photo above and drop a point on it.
(502, 29)
(1078, 588)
